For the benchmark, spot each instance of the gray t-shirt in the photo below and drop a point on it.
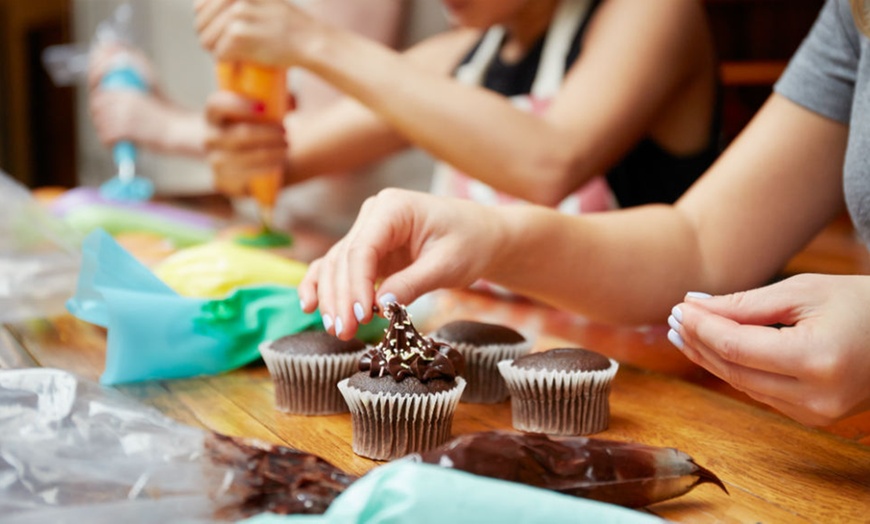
(830, 75)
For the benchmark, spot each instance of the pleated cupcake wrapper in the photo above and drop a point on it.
(485, 383)
(306, 384)
(559, 402)
(392, 425)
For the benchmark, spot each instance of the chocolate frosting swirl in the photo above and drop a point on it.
(404, 352)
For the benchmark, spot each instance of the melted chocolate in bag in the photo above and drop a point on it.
(628, 474)
(273, 478)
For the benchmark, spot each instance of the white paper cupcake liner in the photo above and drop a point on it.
(559, 402)
(392, 425)
(485, 383)
(307, 384)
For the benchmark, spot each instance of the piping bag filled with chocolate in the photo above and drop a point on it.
(267, 86)
(624, 473)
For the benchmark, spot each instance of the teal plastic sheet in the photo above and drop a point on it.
(155, 333)
(405, 491)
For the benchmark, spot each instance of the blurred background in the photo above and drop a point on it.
(46, 138)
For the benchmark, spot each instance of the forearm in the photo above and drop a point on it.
(184, 134)
(626, 266)
(338, 139)
(500, 145)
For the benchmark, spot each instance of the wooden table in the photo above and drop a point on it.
(775, 469)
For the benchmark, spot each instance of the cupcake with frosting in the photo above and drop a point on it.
(403, 397)
(483, 345)
(306, 368)
(561, 391)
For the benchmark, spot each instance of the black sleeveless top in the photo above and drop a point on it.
(648, 173)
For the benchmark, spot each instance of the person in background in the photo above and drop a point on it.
(583, 105)
(158, 124)
(799, 345)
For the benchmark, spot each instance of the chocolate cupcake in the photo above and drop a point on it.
(403, 398)
(483, 346)
(305, 369)
(562, 391)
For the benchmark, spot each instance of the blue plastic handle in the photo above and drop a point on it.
(124, 77)
(118, 78)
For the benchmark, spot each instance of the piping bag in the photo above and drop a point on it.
(268, 86)
(122, 75)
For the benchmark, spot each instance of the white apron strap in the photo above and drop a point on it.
(551, 70)
(472, 72)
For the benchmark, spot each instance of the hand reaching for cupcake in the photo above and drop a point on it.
(411, 243)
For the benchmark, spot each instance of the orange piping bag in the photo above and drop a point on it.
(267, 85)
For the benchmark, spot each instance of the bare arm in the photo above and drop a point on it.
(764, 199)
(358, 133)
(772, 191)
(638, 58)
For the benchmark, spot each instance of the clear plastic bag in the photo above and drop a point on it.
(72, 451)
(39, 256)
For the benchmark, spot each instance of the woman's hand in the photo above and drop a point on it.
(415, 242)
(814, 366)
(240, 144)
(128, 115)
(147, 118)
(267, 32)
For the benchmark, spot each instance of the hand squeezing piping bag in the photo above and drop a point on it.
(267, 86)
(126, 185)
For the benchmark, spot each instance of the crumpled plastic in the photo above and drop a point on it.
(71, 451)
(39, 256)
(155, 333)
(406, 491)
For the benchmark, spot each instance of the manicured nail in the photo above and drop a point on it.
(674, 323)
(677, 314)
(358, 311)
(327, 322)
(339, 325)
(387, 298)
(302, 303)
(675, 339)
(698, 294)
(259, 107)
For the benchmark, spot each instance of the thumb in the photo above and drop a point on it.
(766, 306)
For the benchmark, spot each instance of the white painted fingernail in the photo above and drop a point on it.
(302, 304)
(386, 299)
(358, 311)
(677, 314)
(698, 294)
(674, 323)
(327, 322)
(339, 325)
(675, 339)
